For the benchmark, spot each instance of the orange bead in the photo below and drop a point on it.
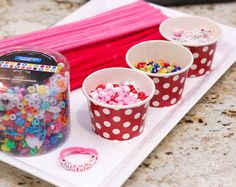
(18, 138)
(27, 124)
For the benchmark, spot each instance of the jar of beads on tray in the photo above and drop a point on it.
(34, 100)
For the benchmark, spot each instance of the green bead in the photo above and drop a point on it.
(142, 69)
(11, 144)
(33, 151)
(59, 135)
(24, 143)
(2, 107)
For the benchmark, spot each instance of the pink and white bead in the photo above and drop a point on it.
(118, 94)
(194, 36)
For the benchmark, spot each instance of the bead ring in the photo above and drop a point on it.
(78, 150)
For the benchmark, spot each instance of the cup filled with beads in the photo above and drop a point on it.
(118, 99)
(198, 34)
(167, 63)
(34, 100)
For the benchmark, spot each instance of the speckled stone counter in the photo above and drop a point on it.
(201, 149)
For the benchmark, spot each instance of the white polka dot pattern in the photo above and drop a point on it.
(141, 129)
(128, 112)
(135, 128)
(96, 113)
(106, 135)
(157, 92)
(205, 49)
(166, 85)
(98, 125)
(203, 61)
(116, 118)
(176, 77)
(120, 124)
(201, 71)
(144, 116)
(211, 52)
(126, 136)
(155, 103)
(155, 80)
(193, 67)
(165, 97)
(107, 123)
(126, 124)
(136, 116)
(203, 56)
(195, 55)
(106, 111)
(175, 89)
(173, 101)
(209, 63)
(182, 80)
(116, 131)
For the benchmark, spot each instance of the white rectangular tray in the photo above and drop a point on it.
(118, 160)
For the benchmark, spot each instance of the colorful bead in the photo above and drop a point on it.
(159, 67)
(118, 94)
(194, 36)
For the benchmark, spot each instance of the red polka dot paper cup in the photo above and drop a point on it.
(115, 122)
(203, 53)
(169, 87)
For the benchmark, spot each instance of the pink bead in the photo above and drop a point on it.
(117, 94)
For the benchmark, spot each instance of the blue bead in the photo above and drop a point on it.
(179, 68)
(35, 122)
(55, 116)
(154, 70)
(53, 139)
(19, 121)
(53, 92)
(11, 91)
(11, 132)
(42, 135)
(45, 106)
(150, 63)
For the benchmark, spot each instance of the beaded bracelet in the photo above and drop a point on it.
(78, 150)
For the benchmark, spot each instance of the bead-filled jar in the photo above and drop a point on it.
(34, 100)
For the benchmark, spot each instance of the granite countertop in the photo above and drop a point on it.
(199, 152)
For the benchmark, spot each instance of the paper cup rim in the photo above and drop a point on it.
(117, 107)
(164, 74)
(188, 44)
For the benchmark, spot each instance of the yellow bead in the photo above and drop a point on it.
(31, 89)
(23, 111)
(5, 117)
(29, 119)
(42, 90)
(24, 102)
(5, 148)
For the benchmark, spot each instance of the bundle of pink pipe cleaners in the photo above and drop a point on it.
(97, 42)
